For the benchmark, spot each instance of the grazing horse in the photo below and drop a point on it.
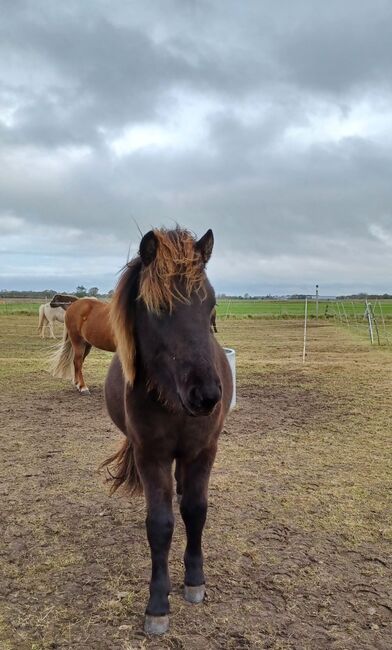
(46, 316)
(87, 324)
(168, 390)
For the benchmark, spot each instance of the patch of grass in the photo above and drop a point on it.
(19, 308)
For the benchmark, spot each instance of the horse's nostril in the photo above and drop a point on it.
(212, 397)
(195, 396)
(204, 398)
(209, 402)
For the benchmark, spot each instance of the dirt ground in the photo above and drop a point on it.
(299, 534)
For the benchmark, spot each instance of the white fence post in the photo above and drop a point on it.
(305, 324)
(369, 318)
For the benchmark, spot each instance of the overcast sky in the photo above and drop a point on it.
(268, 121)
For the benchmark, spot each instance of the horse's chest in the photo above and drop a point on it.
(172, 435)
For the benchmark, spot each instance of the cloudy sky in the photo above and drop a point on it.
(269, 121)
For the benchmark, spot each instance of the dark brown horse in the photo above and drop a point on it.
(169, 391)
(86, 324)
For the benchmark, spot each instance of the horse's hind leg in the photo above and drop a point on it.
(50, 323)
(87, 349)
(80, 353)
(194, 512)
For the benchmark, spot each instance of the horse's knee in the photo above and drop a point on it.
(160, 528)
(193, 509)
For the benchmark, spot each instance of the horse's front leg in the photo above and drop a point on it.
(194, 503)
(157, 483)
(178, 477)
(43, 329)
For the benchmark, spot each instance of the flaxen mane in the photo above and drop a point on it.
(176, 258)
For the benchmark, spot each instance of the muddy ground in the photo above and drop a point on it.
(299, 536)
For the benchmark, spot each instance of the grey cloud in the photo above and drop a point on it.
(74, 75)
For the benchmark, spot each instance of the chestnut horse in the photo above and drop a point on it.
(86, 324)
(168, 390)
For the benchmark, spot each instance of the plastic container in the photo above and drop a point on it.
(230, 354)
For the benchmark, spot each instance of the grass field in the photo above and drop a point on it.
(350, 314)
(296, 308)
(352, 310)
(299, 535)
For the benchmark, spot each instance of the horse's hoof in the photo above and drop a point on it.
(156, 624)
(194, 595)
(84, 391)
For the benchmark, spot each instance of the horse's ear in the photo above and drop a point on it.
(148, 248)
(205, 245)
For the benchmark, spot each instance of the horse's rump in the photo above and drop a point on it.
(88, 319)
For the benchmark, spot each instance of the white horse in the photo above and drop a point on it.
(47, 316)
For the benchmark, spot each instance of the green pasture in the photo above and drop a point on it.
(226, 308)
(296, 308)
(23, 308)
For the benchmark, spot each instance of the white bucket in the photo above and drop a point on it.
(230, 354)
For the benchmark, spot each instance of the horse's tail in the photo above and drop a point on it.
(41, 318)
(61, 361)
(122, 470)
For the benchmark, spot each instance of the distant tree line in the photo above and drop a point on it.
(247, 296)
(302, 296)
(83, 292)
(364, 296)
(46, 294)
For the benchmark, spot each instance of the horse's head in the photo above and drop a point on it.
(171, 320)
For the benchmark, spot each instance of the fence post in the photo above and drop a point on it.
(305, 324)
(355, 315)
(345, 315)
(339, 313)
(375, 322)
(369, 318)
(383, 322)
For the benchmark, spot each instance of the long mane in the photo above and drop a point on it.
(122, 316)
(156, 284)
(176, 258)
